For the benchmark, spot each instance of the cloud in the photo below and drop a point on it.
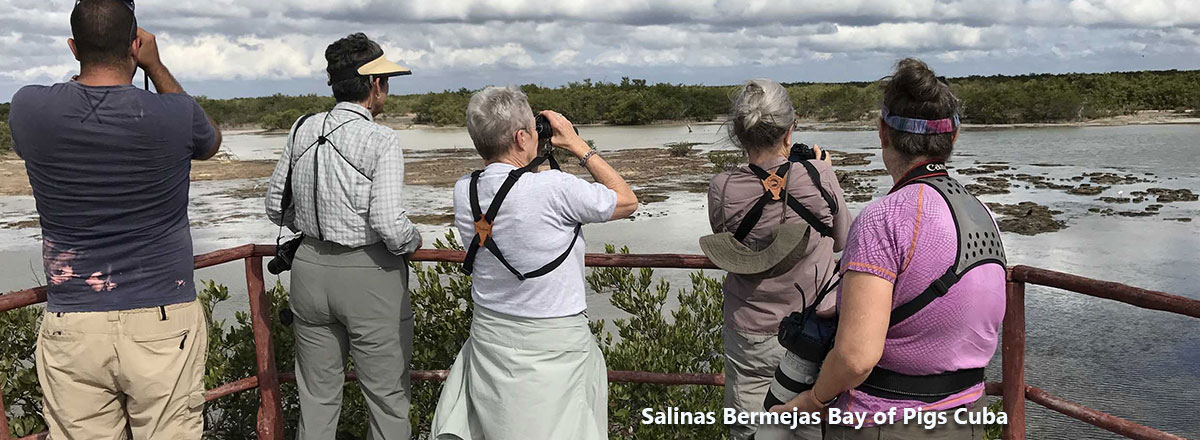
(678, 40)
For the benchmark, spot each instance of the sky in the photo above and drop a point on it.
(232, 48)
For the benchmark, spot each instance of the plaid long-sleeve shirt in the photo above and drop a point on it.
(347, 190)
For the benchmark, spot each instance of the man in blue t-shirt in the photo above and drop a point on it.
(123, 340)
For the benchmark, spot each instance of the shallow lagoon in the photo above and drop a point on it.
(1138, 364)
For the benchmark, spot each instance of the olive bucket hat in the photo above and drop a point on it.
(786, 247)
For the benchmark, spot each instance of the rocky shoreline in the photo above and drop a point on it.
(655, 173)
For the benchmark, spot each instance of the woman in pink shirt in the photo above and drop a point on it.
(924, 361)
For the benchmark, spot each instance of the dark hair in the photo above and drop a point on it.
(103, 31)
(914, 91)
(352, 51)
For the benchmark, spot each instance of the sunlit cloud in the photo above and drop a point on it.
(473, 42)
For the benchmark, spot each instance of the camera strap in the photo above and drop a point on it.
(774, 189)
(485, 220)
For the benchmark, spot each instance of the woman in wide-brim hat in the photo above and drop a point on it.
(766, 262)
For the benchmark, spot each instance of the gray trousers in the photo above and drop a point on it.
(352, 302)
(750, 363)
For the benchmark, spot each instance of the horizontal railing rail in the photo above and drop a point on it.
(1012, 388)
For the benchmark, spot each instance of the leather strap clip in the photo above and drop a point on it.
(483, 230)
(774, 184)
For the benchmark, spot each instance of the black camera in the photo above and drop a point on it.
(802, 152)
(808, 339)
(284, 254)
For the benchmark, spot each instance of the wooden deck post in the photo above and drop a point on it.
(270, 411)
(1013, 361)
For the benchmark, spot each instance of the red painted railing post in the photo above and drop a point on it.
(270, 411)
(1012, 359)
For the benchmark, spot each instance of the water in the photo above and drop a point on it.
(1138, 364)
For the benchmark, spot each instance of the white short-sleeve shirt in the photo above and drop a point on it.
(535, 225)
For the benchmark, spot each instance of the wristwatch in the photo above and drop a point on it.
(584, 159)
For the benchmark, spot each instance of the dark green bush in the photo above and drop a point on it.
(18, 378)
(986, 100)
(5, 137)
(681, 149)
(280, 120)
(688, 342)
(723, 161)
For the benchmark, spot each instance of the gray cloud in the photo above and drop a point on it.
(468, 42)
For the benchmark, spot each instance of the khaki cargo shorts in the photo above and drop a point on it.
(107, 375)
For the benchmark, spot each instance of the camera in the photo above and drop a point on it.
(807, 339)
(802, 152)
(284, 254)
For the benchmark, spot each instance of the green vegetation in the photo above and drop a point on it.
(653, 338)
(280, 120)
(5, 138)
(681, 149)
(687, 341)
(18, 377)
(5, 134)
(986, 100)
(723, 161)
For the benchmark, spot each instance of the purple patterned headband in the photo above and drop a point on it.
(920, 126)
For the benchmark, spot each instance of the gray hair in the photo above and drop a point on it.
(493, 115)
(761, 114)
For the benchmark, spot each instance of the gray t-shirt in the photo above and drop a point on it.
(109, 167)
(535, 225)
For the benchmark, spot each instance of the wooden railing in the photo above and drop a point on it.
(1012, 386)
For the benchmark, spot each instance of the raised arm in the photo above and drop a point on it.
(604, 174)
(207, 132)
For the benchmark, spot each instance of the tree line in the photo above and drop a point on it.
(985, 100)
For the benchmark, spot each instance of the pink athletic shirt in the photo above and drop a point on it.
(908, 238)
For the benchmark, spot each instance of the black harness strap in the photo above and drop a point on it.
(978, 244)
(485, 220)
(816, 179)
(931, 388)
(774, 184)
(775, 188)
(936, 289)
(287, 187)
(321, 140)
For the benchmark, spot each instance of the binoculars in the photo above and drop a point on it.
(544, 131)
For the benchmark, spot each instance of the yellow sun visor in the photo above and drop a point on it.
(382, 67)
(378, 67)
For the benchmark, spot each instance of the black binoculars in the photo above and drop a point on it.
(541, 124)
(284, 254)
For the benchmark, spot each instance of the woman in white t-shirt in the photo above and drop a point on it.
(531, 367)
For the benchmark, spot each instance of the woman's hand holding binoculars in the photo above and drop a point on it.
(563, 134)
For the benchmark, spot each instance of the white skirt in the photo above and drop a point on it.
(525, 378)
